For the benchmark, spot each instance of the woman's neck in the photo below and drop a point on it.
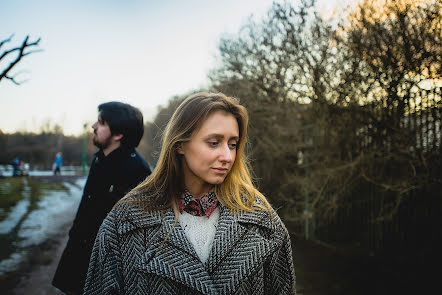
(197, 190)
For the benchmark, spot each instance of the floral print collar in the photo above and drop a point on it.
(202, 206)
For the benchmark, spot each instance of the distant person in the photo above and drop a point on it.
(57, 163)
(24, 168)
(197, 225)
(115, 170)
(16, 166)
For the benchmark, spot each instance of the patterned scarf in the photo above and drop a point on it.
(202, 206)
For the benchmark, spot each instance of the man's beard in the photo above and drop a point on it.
(102, 144)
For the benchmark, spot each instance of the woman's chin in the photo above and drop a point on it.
(217, 180)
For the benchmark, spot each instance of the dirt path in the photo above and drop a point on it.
(37, 277)
(38, 280)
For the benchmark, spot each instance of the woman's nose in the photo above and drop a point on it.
(226, 154)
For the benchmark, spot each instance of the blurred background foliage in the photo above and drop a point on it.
(39, 149)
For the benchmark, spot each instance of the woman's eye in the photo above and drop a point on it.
(232, 145)
(213, 143)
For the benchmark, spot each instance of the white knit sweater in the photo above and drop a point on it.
(200, 231)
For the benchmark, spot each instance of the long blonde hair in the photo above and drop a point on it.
(161, 188)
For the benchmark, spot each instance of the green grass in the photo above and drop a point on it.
(39, 189)
(11, 192)
(48, 186)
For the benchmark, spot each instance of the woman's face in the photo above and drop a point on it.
(210, 153)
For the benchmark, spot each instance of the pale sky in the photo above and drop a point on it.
(141, 52)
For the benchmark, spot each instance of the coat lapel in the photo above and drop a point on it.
(172, 256)
(176, 237)
(240, 246)
(228, 233)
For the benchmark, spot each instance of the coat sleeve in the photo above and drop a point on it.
(280, 272)
(104, 273)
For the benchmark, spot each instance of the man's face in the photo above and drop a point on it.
(102, 134)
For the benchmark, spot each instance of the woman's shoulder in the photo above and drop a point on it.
(131, 212)
(264, 215)
(121, 211)
(131, 203)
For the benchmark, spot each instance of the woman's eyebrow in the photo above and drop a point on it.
(220, 136)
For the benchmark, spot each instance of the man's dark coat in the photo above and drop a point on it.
(110, 178)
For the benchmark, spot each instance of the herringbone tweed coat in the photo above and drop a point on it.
(134, 254)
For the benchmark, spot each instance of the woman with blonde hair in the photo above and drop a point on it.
(197, 224)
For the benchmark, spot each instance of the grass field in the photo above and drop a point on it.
(16, 189)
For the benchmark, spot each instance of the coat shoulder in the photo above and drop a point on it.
(128, 214)
(270, 214)
(266, 218)
(136, 162)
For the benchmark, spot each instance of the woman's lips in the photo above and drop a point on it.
(220, 170)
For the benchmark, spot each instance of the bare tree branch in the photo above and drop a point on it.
(6, 41)
(21, 52)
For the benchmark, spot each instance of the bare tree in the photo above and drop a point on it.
(20, 52)
(368, 108)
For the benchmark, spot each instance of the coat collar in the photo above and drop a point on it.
(135, 218)
(242, 243)
(116, 155)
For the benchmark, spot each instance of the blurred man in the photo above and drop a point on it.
(115, 170)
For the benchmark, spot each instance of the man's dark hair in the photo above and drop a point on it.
(125, 119)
